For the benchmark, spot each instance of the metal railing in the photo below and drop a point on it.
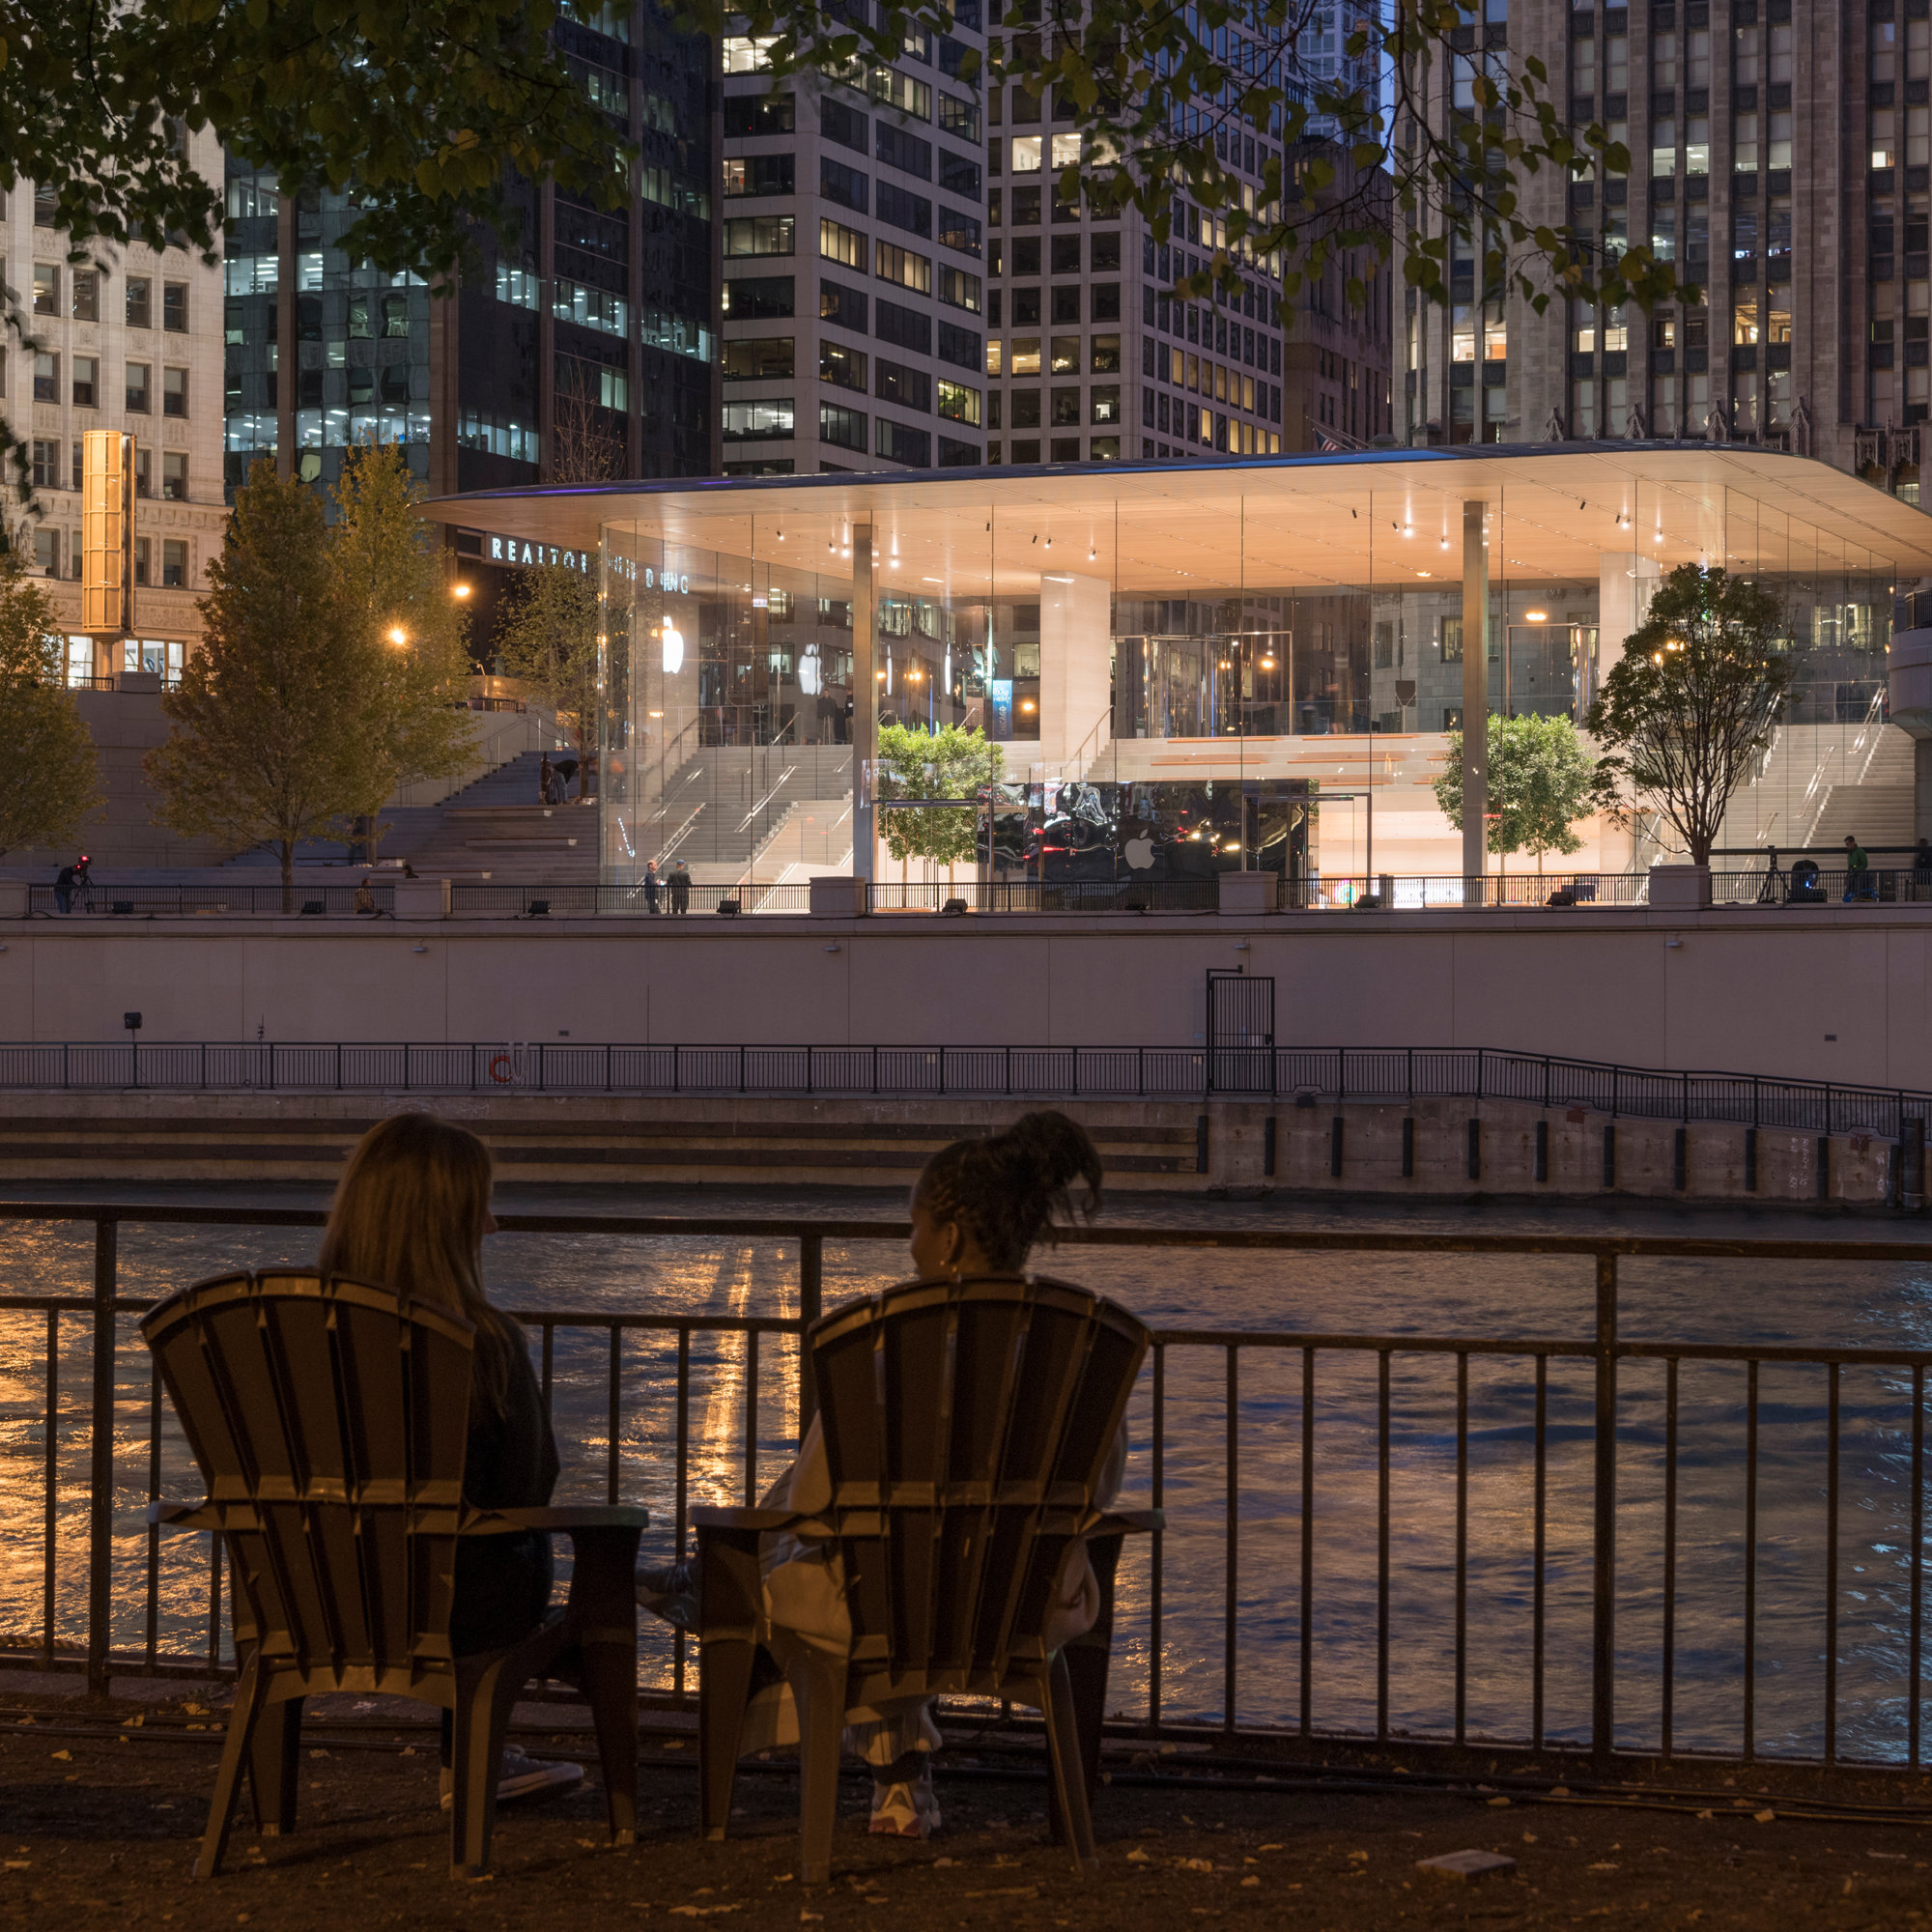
(1571, 1473)
(1387, 1076)
(162, 901)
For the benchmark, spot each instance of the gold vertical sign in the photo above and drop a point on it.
(107, 534)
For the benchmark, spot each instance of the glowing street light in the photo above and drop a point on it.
(397, 634)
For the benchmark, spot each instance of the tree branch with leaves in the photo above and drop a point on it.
(1692, 705)
(47, 780)
(1540, 783)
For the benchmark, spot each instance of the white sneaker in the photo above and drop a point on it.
(523, 1778)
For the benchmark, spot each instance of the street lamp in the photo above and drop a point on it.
(397, 634)
(459, 590)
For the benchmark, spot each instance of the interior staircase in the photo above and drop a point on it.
(733, 811)
(1820, 782)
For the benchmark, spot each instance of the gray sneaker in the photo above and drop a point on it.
(525, 1778)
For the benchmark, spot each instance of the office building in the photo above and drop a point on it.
(129, 342)
(587, 347)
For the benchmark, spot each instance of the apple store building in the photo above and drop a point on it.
(1254, 664)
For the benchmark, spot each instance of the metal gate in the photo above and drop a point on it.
(1240, 1033)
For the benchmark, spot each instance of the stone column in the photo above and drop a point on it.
(1075, 664)
(864, 705)
(1475, 683)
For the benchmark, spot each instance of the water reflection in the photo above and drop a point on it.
(1816, 1303)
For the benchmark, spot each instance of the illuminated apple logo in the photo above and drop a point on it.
(808, 673)
(1140, 854)
(673, 650)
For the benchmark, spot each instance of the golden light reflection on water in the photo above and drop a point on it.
(598, 1276)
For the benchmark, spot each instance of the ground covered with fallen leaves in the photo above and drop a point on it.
(101, 1803)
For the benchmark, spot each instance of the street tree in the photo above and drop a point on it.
(547, 638)
(47, 780)
(414, 633)
(270, 740)
(1692, 704)
(1541, 782)
(947, 764)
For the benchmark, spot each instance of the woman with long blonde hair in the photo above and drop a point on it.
(409, 1213)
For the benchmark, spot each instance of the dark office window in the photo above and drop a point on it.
(1026, 307)
(899, 207)
(899, 443)
(847, 186)
(764, 358)
(958, 455)
(173, 307)
(760, 297)
(841, 305)
(959, 176)
(843, 367)
(898, 149)
(751, 114)
(847, 125)
(904, 327)
(958, 346)
(959, 231)
(910, 389)
(1105, 253)
(1066, 303)
(1107, 303)
(759, 174)
(844, 427)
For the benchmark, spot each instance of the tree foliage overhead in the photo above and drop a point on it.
(1692, 704)
(1166, 96)
(548, 637)
(1541, 780)
(47, 783)
(947, 764)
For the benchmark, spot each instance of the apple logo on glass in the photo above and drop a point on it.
(673, 649)
(1140, 854)
(808, 680)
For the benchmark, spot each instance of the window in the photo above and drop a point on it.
(844, 368)
(746, 53)
(1025, 206)
(1024, 360)
(901, 150)
(747, 115)
(899, 443)
(1104, 354)
(847, 125)
(1026, 154)
(1106, 299)
(896, 382)
(86, 381)
(144, 470)
(961, 346)
(174, 564)
(1744, 144)
(1026, 409)
(902, 266)
(958, 403)
(959, 231)
(173, 307)
(1663, 148)
(905, 328)
(767, 421)
(46, 552)
(47, 467)
(174, 475)
(47, 288)
(995, 358)
(140, 313)
(1063, 355)
(137, 392)
(1066, 301)
(958, 117)
(1065, 151)
(847, 186)
(842, 305)
(899, 207)
(759, 235)
(953, 454)
(47, 377)
(959, 290)
(760, 299)
(1697, 145)
(1777, 152)
(759, 174)
(1065, 406)
(143, 552)
(910, 96)
(87, 294)
(959, 176)
(766, 358)
(841, 244)
(1105, 253)
(1744, 321)
(842, 427)
(174, 393)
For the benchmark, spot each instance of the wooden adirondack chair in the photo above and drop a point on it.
(330, 1420)
(967, 1425)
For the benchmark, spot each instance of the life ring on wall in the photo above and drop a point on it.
(502, 1069)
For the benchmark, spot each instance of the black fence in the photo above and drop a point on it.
(1511, 1539)
(1394, 1076)
(209, 902)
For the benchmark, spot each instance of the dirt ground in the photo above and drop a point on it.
(101, 1803)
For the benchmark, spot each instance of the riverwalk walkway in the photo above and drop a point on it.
(101, 1803)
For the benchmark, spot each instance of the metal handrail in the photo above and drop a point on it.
(1602, 1352)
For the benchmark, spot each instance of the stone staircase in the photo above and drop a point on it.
(733, 811)
(1821, 781)
(498, 825)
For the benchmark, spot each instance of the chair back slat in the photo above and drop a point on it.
(333, 1417)
(967, 1426)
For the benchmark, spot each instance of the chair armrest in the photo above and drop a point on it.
(1128, 1522)
(569, 1516)
(182, 1515)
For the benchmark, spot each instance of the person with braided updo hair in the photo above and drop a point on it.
(977, 1208)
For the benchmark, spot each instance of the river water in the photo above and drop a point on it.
(1816, 1303)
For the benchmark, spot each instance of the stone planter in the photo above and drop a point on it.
(834, 896)
(1249, 892)
(423, 898)
(1679, 888)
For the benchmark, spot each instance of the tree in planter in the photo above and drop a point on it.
(947, 764)
(47, 778)
(392, 578)
(1692, 705)
(1540, 785)
(549, 640)
(270, 741)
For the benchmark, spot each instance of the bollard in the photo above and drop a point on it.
(1751, 1160)
(1609, 1154)
(1267, 1147)
(1335, 1148)
(1680, 1159)
(1475, 1148)
(1201, 1143)
(1543, 1150)
(1409, 1147)
(1824, 1167)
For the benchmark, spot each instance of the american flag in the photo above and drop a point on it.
(1326, 445)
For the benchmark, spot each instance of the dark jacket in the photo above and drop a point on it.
(503, 1582)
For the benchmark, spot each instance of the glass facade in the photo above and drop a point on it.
(1223, 677)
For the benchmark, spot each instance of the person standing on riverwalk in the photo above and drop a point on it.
(1858, 882)
(679, 883)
